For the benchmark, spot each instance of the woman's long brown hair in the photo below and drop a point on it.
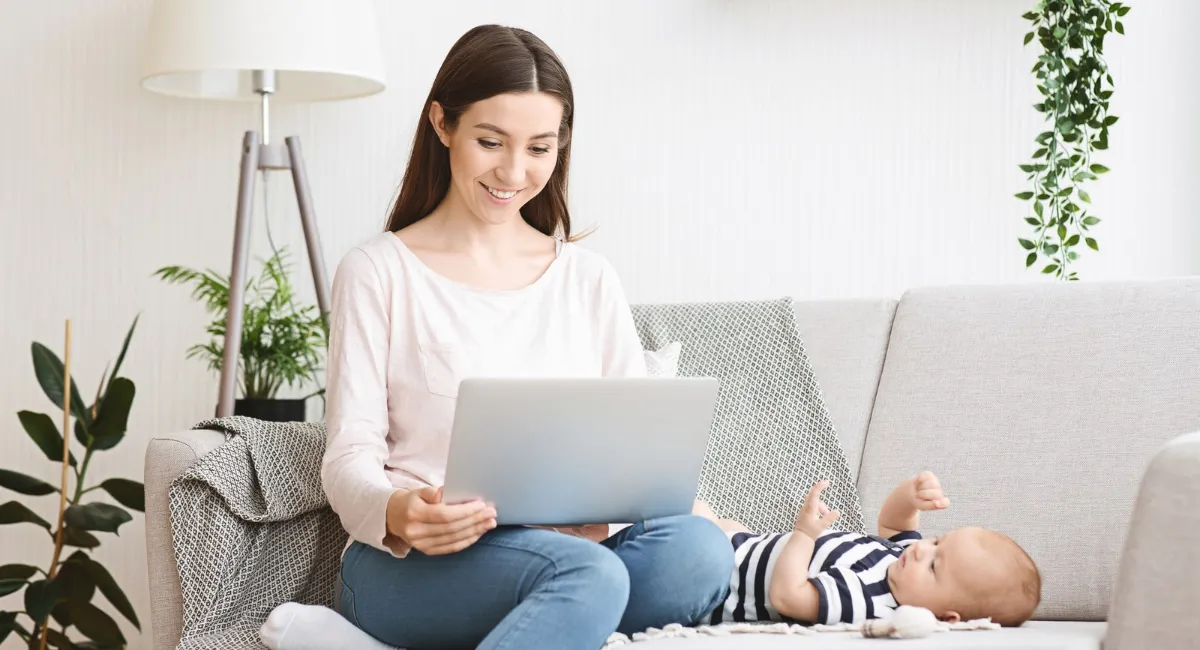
(487, 61)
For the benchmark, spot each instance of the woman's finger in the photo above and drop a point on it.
(425, 530)
(454, 542)
(437, 513)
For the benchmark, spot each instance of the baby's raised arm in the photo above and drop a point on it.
(902, 509)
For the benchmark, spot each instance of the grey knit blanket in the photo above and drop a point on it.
(252, 529)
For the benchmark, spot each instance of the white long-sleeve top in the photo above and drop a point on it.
(401, 338)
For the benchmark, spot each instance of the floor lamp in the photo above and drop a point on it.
(264, 51)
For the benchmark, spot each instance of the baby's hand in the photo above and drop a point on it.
(814, 517)
(927, 492)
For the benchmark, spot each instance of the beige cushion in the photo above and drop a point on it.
(1038, 406)
(846, 341)
(1031, 636)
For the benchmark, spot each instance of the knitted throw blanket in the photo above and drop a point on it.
(252, 529)
(772, 437)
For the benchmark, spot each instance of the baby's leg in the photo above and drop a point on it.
(728, 525)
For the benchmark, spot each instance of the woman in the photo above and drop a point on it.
(470, 278)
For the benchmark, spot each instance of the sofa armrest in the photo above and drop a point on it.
(1154, 599)
(167, 457)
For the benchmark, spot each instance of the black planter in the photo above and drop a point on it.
(272, 410)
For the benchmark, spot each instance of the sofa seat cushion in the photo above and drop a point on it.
(1035, 635)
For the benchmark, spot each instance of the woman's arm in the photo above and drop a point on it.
(356, 415)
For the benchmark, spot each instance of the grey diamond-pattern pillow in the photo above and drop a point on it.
(772, 436)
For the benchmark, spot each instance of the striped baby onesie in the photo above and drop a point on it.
(849, 571)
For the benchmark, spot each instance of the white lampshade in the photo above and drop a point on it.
(319, 49)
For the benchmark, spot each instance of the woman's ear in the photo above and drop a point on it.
(437, 117)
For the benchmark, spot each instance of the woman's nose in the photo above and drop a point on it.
(512, 172)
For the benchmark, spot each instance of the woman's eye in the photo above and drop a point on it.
(489, 144)
(541, 151)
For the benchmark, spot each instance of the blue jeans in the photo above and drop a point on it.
(529, 588)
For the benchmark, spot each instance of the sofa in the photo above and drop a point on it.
(1066, 415)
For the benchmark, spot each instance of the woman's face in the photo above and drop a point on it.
(502, 153)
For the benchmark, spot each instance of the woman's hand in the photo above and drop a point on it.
(421, 519)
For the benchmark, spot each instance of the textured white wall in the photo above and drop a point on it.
(724, 149)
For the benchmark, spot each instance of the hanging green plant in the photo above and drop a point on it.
(1076, 88)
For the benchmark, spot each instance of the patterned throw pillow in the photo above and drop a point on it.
(772, 436)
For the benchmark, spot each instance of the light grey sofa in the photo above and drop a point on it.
(1057, 413)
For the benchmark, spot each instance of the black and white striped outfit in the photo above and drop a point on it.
(849, 571)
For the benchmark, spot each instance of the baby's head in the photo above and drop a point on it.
(968, 573)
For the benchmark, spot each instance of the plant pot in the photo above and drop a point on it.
(272, 410)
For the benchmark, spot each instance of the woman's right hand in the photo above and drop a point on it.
(421, 519)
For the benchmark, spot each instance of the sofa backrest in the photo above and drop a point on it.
(1038, 406)
(845, 341)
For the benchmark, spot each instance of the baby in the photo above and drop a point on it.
(810, 576)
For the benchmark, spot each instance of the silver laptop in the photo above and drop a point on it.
(580, 450)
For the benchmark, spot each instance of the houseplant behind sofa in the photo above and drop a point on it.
(282, 342)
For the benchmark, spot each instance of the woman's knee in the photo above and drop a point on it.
(703, 546)
(596, 574)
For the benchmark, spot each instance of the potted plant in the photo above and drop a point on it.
(57, 603)
(282, 342)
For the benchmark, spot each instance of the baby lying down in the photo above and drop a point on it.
(810, 576)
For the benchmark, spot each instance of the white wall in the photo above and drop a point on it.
(724, 149)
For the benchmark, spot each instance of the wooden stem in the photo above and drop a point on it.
(62, 493)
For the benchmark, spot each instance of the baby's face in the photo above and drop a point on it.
(939, 574)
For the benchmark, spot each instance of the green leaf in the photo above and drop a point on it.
(130, 494)
(1066, 125)
(1111, 120)
(40, 597)
(45, 435)
(15, 512)
(56, 639)
(79, 538)
(77, 582)
(1091, 221)
(1037, 208)
(1059, 32)
(17, 572)
(23, 484)
(124, 347)
(96, 516)
(1097, 168)
(1092, 244)
(1120, 27)
(1085, 197)
(1026, 244)
(49, 370)
(1032, 221)
(1062, 231)
(8, 622)
(112, 592)
(1066, 191)
(1024, 196)
(1072, 256)
(1072, 241)
(1030, 15)
(113, 417)
(1050, 268)
(10, 585)
(1039, 153)
(1028, 37)
(1123, 10)
(93, 623)
(1050, 249)
(1027, 168)
(1030, 260)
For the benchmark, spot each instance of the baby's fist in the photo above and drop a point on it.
(927, 492)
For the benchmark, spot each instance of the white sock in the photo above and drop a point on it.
(293, 626)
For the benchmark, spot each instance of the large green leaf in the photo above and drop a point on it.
(79, 538)
(125, 347)
(49, 370)
(40, 597)
(15, 512)
(112, 592)
(113, 416)
(96, 516)
(77, 582)
(130, 494)
(17, 571)
(8, 622)
(95, 624)
(8, 586)
(45, 435)
(23, 484)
